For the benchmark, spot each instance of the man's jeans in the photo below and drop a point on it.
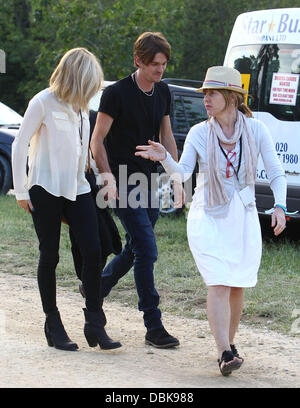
(140, 251)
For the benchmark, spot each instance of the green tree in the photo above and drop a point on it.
(127, 19)
(47, 29)
(36, 33)
(20, 51)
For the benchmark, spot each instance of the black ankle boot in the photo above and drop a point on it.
(95, 333)
(55, 333)
(160, 338)
(102, 314)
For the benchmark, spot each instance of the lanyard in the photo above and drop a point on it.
(80, 129)
(240, 158)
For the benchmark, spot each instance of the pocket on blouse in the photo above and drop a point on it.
(61, 121)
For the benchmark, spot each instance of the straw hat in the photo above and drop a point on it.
(223, 78)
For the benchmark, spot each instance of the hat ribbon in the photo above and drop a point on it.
(219, 84)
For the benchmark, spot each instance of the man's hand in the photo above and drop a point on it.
(109, 190)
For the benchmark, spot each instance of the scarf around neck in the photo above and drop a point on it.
(216, 192)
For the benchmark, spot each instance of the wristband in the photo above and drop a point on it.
(281, 206)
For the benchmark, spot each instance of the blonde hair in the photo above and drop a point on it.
(77, 77)
(239, 101)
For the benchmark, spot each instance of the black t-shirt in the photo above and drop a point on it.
(137, 118)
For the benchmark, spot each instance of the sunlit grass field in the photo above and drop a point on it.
(270, 304)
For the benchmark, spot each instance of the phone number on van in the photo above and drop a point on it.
(284, 156)
(282, 149)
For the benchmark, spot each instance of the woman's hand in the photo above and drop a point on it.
(155, 151)
(179, 195)
(26, 205)
(278, 220)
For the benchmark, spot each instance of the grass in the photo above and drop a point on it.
(270, 304)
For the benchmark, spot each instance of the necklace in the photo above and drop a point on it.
(149, 93)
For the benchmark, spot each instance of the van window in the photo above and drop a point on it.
(261, 62)
(188, 110)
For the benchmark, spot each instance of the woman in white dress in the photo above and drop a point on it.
(223, 226)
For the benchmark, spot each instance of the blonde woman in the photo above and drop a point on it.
(56, 126)
(223, 227)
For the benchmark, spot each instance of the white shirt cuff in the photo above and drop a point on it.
(22, 196)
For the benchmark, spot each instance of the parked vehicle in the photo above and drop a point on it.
(95, 101)
(9, 118)
(187, 109)
(9, 124)
(265, 47)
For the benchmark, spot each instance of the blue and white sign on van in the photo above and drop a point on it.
(270, 26)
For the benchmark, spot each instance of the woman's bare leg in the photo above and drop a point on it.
(218, 314)
(236, 300)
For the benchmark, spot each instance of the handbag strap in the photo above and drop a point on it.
(80, 134)
(89, 160)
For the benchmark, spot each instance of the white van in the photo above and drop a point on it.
(265, 47)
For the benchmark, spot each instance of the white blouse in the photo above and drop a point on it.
(57, 153)
(195, 151)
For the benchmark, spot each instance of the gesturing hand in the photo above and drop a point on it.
(155, 151)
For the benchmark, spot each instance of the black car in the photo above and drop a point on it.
(6, 139)
(9, 124)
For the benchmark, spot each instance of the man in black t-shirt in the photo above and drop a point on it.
(132, 111)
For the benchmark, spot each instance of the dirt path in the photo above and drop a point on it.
(271, 360)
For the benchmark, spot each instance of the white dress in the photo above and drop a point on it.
(227, 244)
(227, 251)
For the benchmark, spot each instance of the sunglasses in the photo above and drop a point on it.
(231, 158)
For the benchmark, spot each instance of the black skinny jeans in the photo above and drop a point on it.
(82, 219)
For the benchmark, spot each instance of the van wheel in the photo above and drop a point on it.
(166, 196)
(5, 175)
